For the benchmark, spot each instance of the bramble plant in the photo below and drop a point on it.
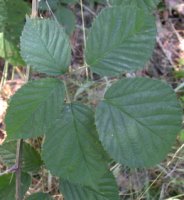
(134, 124)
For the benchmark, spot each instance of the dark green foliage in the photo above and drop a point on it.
(7, 186)
(31, 160)
(136, 121)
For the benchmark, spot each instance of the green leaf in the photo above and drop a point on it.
(121, 40)
(12, 16)
(138, 121)
(34, 108)
(100, 1)
(45, 46)
(81, 159)
(106, 189)
(51, 4)
(143, 4)
(31, 160)
(7, 186)
(8, 153)
(69, 1)
(66, 18)
(39, 196)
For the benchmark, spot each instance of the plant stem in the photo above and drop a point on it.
(84, 36)
(50, 9)
(13, 73)
(19, 153)
(179, 87)
(18, 171)
(4, 76)
(34, 12)
(83, 24)
(67, 93)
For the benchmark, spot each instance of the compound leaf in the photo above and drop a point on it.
(138, 121)
(106, 189)
(75, 138)
(123, 44)
(36, 105)
(45, 46)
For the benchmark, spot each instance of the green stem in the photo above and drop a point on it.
(18, 171)
(179, 87)
(67, 92)
(28, 73)
(13, 73)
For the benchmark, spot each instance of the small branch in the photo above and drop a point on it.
(34, 13)
(83, 23)
(12, 169)
(179, 87)
(18, 171)
(4, 76)
(20, 142)
(50, 9)
(89, 10)
(84, 36)
(67, 93)
(165, 52)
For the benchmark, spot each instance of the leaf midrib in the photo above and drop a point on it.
(80, 146)
(132, 117)
(45, 46)
(117, 45)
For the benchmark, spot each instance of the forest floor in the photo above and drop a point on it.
(166, 180)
